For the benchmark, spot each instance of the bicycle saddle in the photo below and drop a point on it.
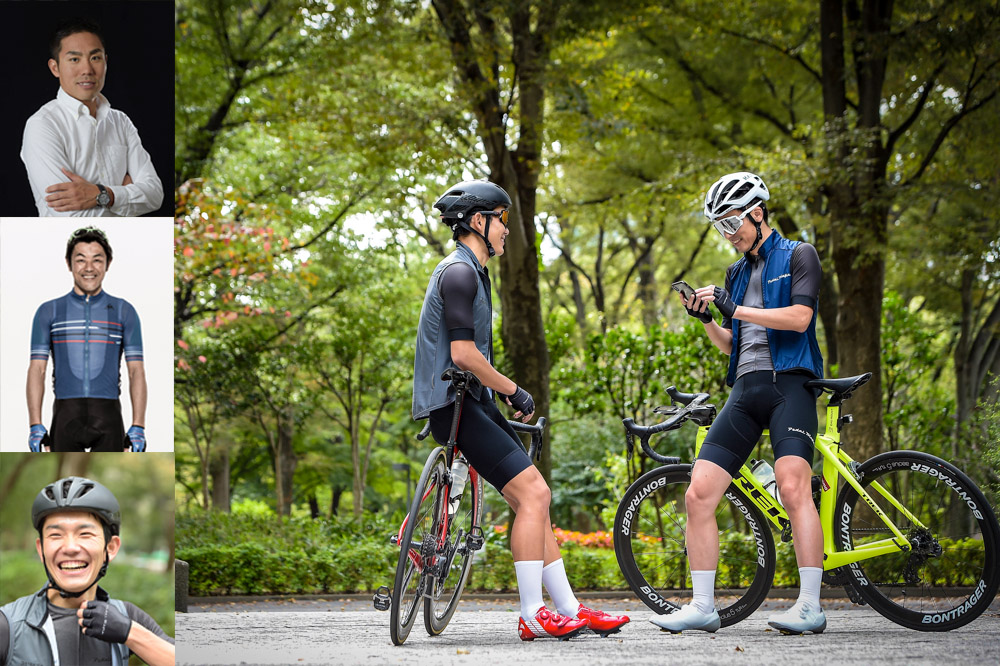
(841, 387)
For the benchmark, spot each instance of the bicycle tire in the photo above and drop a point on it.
(420, 520)
(442, 600)
(958, 549)
(649, 541)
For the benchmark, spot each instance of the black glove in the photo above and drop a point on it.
(104, 621)
(724, 303)
(522, 401)
(704, 316)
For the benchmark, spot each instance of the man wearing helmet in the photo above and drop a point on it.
(456, 331)
(769, 332)
(71, 620)
(86, 332)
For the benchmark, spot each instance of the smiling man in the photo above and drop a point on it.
(71, 620)
(87, 332)
(84, 158)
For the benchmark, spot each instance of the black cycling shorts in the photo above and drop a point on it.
(485, 438)
(762, 400)
(87, 423)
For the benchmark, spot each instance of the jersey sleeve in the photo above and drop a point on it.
(807, 273)
(131, 333)
(41, 329)
(458, 285)
(140, 616)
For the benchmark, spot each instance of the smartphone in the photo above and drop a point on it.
(683, 288)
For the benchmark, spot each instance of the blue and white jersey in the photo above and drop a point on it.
(86, 337)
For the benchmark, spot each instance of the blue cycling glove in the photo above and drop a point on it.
(137, 438)
(35, 436)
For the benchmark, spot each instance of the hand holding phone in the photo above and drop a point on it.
(687, 291)
(684, 289)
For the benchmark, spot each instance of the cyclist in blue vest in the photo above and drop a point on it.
(71, 620)
(86, 332)
(768, 330)
(456, 331)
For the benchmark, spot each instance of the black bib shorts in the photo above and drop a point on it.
(759, 400)
(87, 423)
(485, 438)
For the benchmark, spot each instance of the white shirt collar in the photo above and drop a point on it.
(78, 108)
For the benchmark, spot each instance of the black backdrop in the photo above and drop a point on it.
(139, 38)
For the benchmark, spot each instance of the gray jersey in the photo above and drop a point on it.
(74, 646)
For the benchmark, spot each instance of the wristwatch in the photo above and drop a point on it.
(103, 198)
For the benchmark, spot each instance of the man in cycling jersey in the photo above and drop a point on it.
(769, 332)
(86, 332)
(456, 331)
(71, 620)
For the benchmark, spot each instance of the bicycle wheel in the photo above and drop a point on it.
(454, 558)
(650, 545)
(950, 575)
(416, 544)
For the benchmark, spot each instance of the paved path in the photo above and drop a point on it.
(483, 633)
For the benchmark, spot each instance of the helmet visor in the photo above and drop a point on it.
(727, 226)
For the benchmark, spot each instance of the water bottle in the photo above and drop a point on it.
(764, 473)
(459, 475)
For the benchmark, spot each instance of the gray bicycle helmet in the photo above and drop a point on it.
(733, 191)
(460, 202)
(75, 493)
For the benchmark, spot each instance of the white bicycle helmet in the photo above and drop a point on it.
(732, 191)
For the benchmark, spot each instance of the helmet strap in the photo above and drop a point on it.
(756, 241)
(484, 236)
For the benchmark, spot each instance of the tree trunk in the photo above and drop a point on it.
(286, 469)
(220, 480)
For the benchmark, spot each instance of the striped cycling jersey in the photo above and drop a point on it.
(86, 336)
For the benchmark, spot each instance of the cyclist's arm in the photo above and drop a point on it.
(791, 318)
(35, 390)
(152, 649)
(467, 356)
(137, 391)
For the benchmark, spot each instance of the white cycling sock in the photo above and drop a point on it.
(703, 591)
(809, 582)
(529, 586)
(555, 581)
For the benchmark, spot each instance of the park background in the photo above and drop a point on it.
(312, 139)
(143, 570)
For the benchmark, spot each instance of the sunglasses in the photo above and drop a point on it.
(502, 215)
(730, 225)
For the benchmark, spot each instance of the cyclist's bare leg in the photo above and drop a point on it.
(529, 496)
(708, 485)
(794, 477)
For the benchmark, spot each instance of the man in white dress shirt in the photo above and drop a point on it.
(84, 158)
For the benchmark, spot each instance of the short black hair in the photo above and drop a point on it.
(71, 27)
(88, 235)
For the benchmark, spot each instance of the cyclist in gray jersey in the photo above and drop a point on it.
(769, 332)
(86, 332)
(72, 620)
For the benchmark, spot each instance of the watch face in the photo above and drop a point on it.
(103, 198)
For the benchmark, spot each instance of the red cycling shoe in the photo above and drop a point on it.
(600, 622)
(548, 624)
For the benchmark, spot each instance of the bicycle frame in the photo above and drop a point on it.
(836, 465)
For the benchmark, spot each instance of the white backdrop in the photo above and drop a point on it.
(33, 270)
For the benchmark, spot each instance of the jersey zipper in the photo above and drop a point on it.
(86, 346)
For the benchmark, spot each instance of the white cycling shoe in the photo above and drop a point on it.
(799, 619)
(688, 617)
